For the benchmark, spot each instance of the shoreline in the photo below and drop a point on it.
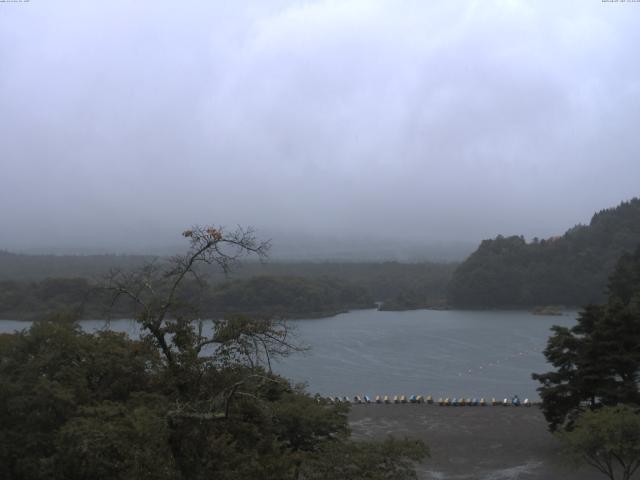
(483, 443)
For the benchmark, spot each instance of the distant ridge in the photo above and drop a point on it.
(569, 270)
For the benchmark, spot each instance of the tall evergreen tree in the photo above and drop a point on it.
(597, 361)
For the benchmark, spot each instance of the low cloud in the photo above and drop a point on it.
(123, 122)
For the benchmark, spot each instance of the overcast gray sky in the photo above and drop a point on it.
(124, 121)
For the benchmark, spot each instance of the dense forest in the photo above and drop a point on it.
(176, 403)
(570, 270)
(33, 285)
(283, 296)
(15, 266)
(596, 361)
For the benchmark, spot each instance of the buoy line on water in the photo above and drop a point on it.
(498, 362)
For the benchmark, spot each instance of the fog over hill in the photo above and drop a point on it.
(312, 248)
(408, 122)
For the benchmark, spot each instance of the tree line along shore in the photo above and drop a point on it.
(178, 402)
(506, 272)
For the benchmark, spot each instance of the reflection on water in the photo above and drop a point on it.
(442, 353)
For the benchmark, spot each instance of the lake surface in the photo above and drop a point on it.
(441, 353)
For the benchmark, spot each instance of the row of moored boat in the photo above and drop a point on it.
(445, 402)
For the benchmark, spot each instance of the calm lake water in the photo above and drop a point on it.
(442, 353)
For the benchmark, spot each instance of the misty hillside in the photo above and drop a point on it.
(571, 269)
(14, 266)
(34, 285)
(283, 296)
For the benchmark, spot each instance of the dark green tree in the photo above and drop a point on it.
(188, 400)
(607, 439)
(597, 362)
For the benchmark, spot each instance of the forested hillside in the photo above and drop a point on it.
(286, 296)
(15, 266)
(283, 296)
(570, 270)
(30, 284)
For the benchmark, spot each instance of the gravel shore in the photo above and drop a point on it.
(472, 443)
